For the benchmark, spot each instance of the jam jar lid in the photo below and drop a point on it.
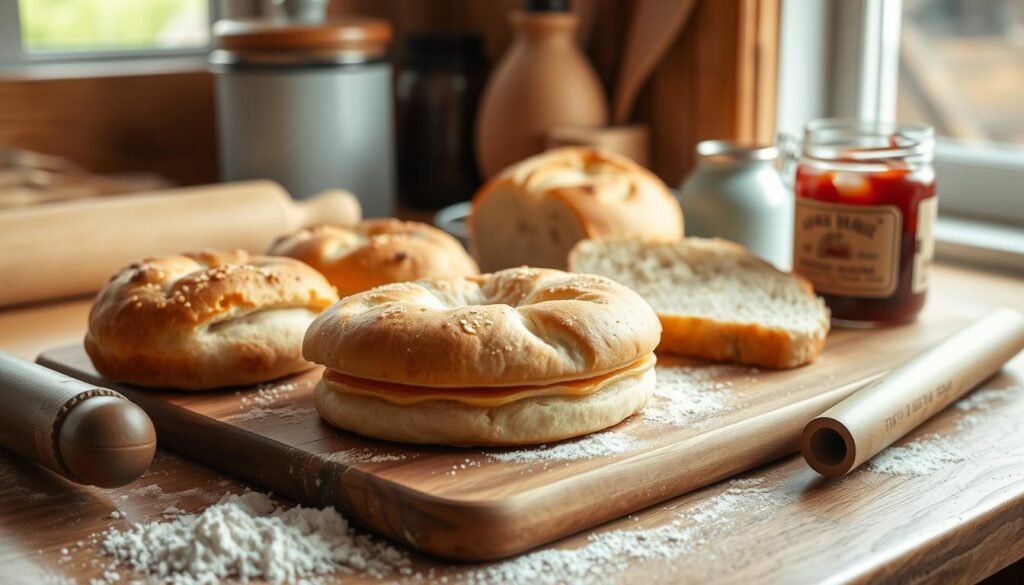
(339, 41)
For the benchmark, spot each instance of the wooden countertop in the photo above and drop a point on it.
(960, 524)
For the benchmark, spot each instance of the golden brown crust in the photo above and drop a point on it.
(609, 194)
(376, 252)
(516, 326)
(735, 342)
(204, 320)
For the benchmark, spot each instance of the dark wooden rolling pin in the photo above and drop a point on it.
(63, 249)
(90, 435)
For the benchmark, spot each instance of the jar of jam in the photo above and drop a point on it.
(865, 211)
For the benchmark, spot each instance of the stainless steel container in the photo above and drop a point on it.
(736, 193)
(309, 106)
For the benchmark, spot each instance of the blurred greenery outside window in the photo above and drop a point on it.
(70, 26)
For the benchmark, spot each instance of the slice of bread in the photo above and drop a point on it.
(715, 299)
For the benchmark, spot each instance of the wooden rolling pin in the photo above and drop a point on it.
(63, 249)
(90, 435)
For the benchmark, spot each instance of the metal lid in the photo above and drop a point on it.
(732, 152)
(352, 39)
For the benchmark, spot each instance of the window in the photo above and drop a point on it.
(109, 25)
(962, 71)
(60, 31)
(962, 68)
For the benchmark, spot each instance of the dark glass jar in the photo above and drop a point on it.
(438, 88)
(865, 211)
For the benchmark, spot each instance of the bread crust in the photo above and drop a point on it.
(205, 320)
(518, 326)
(376, 252)
(610, 196)
(726, 341)
(523, 422)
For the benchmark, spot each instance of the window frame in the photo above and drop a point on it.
(13, 56)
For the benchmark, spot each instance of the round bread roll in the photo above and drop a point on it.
(535, 211)
(521, 356)
(205, 320)
(529, 421)
(376, 252)
(518, 326)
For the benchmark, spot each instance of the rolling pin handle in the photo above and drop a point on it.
(89, 435)
(337, 207)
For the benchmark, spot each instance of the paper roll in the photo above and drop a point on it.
(856, 429)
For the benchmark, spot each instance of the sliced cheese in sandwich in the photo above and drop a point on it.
(405, 395)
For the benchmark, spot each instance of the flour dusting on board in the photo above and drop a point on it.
(608, 553)
(266, 395)
(979, 405)
(290, 413)
(933, 453)
(685, 394)
(249, 537)
(356, 456)
(920, 457)
(594, 445)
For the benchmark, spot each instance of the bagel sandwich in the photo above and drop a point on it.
(521, 356)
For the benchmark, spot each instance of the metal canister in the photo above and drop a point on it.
(309, 106)
(735, 192)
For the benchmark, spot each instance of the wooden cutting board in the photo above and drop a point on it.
(707, 422)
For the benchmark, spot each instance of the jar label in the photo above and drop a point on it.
(851, 250)
(924, 252)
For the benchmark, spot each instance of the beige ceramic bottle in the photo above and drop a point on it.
(544, 81)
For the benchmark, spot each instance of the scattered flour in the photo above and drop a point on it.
(288, 412)
(685, 394)
(978, 404)
(247, 536)
(169, 499)
(356, 456)
(921, 457)
(933, 453)
(608, 553)
(266, 395)
(594, 445)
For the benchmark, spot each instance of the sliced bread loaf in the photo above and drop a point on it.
(715, 299)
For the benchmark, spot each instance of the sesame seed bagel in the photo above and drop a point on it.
(376, 252)
(513, 327)
(205, 320)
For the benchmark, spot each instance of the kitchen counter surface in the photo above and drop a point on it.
(959, 521)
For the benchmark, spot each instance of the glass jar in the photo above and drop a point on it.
(865, 211)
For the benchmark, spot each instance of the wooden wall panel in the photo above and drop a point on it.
(716, 82)
(163, 123)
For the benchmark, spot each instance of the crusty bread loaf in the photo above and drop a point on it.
(524, 422)
(715, 299)
(205, 320)
(375, 252)
(516, 326)
(535, 211)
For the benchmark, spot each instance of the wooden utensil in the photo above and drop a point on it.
(654, 26)
(464, 502)
(63, 249)
(858, 428)
(90, 435)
